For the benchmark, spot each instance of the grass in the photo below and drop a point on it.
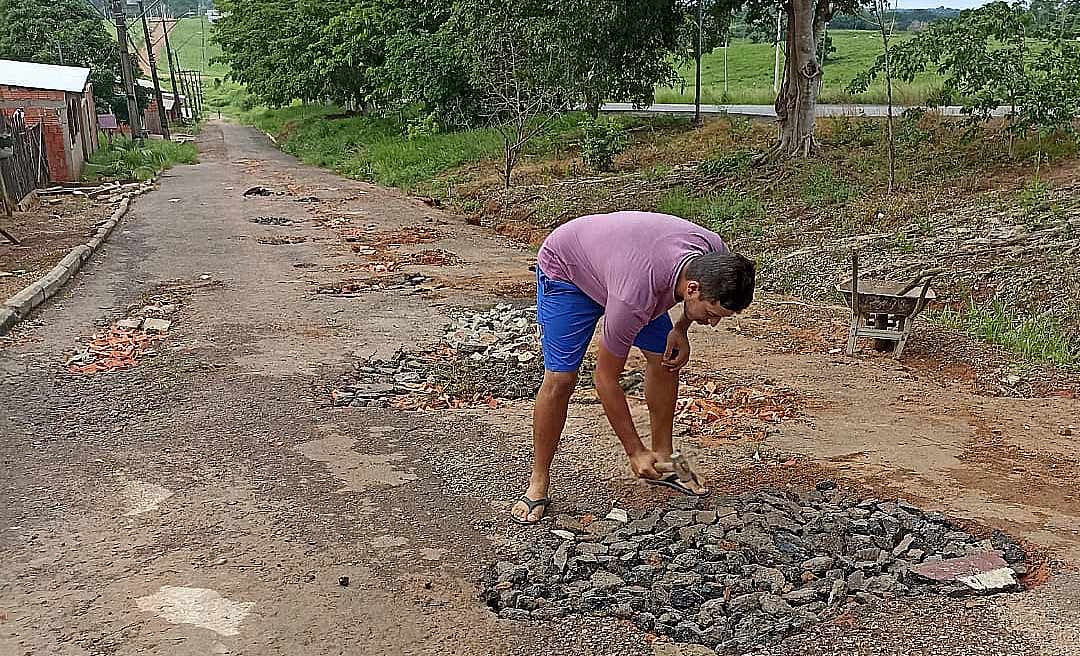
(1038, 338)
(377, 148)
(128, 160)
(728, 212)
(750, 74)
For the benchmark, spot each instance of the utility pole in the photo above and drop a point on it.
(126, 75)
(776, 62)
(172, 67)
(697, 69)
(153, 73)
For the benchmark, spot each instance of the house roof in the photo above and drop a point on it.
(43, 76)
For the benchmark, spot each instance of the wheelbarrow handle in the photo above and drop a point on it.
(922, 275)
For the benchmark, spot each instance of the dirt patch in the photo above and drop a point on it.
(46, 234)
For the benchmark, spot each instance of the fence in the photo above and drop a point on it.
(28, 167)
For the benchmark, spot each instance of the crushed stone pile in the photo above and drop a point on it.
(483, 356)
(742, 571)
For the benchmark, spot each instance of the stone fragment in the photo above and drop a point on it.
(155, 325)
(901, 548)
(564, 535)
(606, 581)
(678, 518)
(952, 569)
(774, 605)
(745, 603)
(801, 596)
(819, 564)
(618, 515)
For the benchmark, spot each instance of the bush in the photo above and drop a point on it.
(603, 139)
(126, 159)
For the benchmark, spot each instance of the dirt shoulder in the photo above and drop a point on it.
(46, 235)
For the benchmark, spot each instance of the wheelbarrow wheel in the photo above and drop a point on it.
(884, 345)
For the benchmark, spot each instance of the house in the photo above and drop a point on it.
(151, 118)
(60, 98)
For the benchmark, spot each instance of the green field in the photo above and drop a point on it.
(750, 73)
(191, 40)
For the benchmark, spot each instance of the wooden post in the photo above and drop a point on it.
(7, 210)
(853, 331)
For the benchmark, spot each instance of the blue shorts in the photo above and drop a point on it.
(567, 319)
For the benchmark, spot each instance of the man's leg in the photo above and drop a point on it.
(661, 390)
(661, 385)
(549, 419)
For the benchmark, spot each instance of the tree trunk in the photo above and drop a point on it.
(797, 101)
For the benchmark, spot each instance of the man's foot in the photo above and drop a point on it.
(528, 510)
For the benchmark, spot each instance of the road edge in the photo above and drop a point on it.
(22, 304)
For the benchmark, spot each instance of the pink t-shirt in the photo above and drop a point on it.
(627, 262)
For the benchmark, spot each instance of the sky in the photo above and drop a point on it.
(931, 4)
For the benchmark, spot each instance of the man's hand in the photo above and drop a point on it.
(677, 351)
(644, 464)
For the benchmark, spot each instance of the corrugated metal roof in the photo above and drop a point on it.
(43, 76)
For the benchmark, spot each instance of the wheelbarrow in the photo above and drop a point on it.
(885, 310)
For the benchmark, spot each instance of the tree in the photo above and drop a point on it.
(516, 58)
(880, 15)
(987, 61)
(273, 48)
(62, 31)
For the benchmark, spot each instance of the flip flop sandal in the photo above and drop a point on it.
(532, 504)
(672, 481)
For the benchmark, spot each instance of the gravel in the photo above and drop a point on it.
(734, 572)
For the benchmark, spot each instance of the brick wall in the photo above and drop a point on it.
(50, 108)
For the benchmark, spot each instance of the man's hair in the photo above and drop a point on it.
(724, 277)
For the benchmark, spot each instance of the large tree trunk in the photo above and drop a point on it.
(797, 100)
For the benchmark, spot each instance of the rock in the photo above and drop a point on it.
(618, 515)
(869, 554)
(133, 323)
(801, 596)
(684, 598)
(882, 584)
(678, 518)
(560, 557)
(515, 614)
(819, 565)
(677, 649)
(901, 548)
(689, 534)
(824, 486)
(705, 517)
(914, 555)
(641, 526)
(856, 580)
(606, 581)
(745, 603)
(779, 522)
(774, 605)
(591, 548)
(769, 579)
(155, 325)
(563, 535)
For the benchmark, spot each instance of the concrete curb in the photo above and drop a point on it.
(19, 306)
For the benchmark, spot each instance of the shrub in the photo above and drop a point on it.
(603, 139)
(126, 159)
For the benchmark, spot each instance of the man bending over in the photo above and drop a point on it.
(630, 268)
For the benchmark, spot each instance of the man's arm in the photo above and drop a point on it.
(677, 351)
(608, 369)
